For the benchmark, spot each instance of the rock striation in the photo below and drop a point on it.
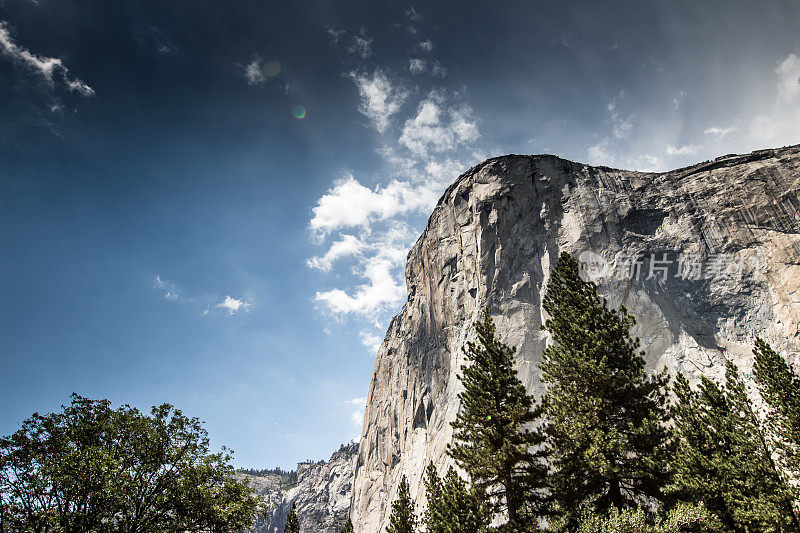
(705, 257)
(322, 494)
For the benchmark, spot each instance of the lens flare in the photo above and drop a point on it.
(271, 68)
(299, 112)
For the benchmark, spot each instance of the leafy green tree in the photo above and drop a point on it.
(292, 523)
(496, 443)
(780, 388)
(722, 458)
(402, 519)
(684, 518)
(452, 506)
(348, 527)
(606, 416)
(93, 468)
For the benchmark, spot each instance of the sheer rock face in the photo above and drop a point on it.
(322, 495)
(493, 240)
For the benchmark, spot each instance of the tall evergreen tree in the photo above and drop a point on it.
(452, 506)
(780, 388)
(292, 523)
(495, 444)
(348, 527)
(722, 458)
(402, 519)
(606, 416)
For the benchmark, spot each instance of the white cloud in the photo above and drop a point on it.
(167, 288)
(351, 204)
(382, 289)
(253, 72)
(789, 78)
(46, 67)
(648, 163)
(346, 246)
(600, 154)
(777, 125)
(620, 126)
(719, 133)
(686, 149)
(380, 99)
(422, 158)
(427, 132)
(371, 341)
(357, 416)
(416, 66)
(426, 46)
(79, 87)
(233, 305)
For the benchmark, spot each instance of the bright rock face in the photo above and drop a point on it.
(730, 229)
(322, 494)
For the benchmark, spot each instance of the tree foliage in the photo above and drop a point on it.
(348, 527)
(683, 518)
(453, 507)
(780, 388)
(92, 468)
(403, 519)
(722, 458)
(495, 441)
(606, 416)
(292, 523)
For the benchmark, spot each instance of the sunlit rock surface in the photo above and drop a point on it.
(730, 229)
(322, 494)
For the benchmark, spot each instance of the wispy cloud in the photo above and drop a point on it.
(335, 33)
(380, 98)
(50, 69)
(167, 288)
(234, 305)
(435, 129)
(686, 149)
(424, 148)
(416, 66)
(361, 44)
(426, 46)
(718, 132)
(253, 72)
(370, 340)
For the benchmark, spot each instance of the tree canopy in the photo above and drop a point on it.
(93, 468)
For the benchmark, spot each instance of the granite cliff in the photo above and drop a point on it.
(705, 257)
(322, 494)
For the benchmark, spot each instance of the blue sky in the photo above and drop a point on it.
(210, 203)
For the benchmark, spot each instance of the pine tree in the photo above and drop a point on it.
(606, 416)
(292, 524)
(402, 519)
(684, 518)
(348, 527)
(780, 388)
(722, 458)
(495, 444)
(452, 506)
